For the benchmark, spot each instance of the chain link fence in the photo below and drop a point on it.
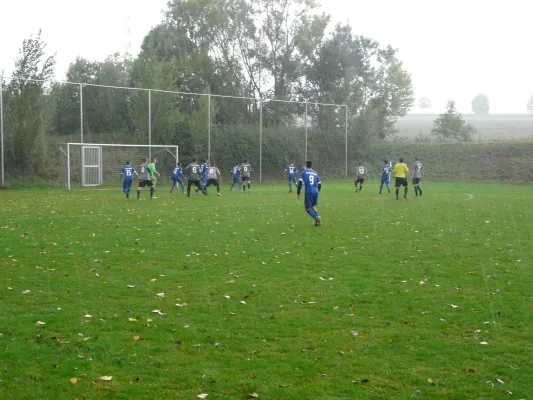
(37, 118)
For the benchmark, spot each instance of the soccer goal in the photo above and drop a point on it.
(96, 164)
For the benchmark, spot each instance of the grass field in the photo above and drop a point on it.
(241, 296)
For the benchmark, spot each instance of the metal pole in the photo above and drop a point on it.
(68, 166)
(305, 132)
(2, 127)
(150, 126)
(346, 137)
(260, 140)
(81, 116)
(209, 129)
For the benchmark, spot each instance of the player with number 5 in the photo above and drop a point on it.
(311, 181)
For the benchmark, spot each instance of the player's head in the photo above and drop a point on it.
(145, 159)
(212, 163)
(386, 161)
(178, 164)
(194, 160)
(128, 163)
(204, 161)
(360, 163)
(292, 162)
(308, 164)
(245, 160)
(155, 161)
(416, 158)
(400, 159)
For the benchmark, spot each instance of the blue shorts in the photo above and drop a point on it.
(204, 179)
(292, 178)
(176, 179)
(311, 200)
(385, 179)
(236, 178)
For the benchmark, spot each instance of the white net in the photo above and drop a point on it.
(89, 164)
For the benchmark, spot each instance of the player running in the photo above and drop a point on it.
(311, 181)
(245, 175)
(177, 174)
(360, 177)
(203, 174)
(193, 171)
(400, 169)
(235, 173)
(290, 171)
(385, 176)
(145, 179)
(127, 176)
(213, 176)
(418, 173)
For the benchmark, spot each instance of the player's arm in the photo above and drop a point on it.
(299, 187)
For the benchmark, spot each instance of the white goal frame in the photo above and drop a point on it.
(175, 154)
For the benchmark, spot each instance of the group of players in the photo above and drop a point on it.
(203, 175)
(400, 171)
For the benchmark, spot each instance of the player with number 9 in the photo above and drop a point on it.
(311, 182)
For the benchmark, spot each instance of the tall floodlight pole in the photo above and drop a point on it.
(2, 127)
(150, 125)
(346, 136)
(81, 112)
(209, 129)
(260, 140)
(305, 123)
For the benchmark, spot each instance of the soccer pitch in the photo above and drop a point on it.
(241, 296)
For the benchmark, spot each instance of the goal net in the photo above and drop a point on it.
(95, 164)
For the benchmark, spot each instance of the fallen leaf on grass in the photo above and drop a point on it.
(254, 395)
(132, 320)
(157, 312)
(354, 333)
(73, 380)
(88, 316)
(203, 396)
(62, 341)
(136, 338)
(40, 323)
(26, 292)
(453, 306)
(106, 378)
(483, 342)
(177, 343)
(130, 286)
(499, 380)
(161, 294)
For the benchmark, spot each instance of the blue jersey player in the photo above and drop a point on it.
(127, 178)
(311, 181)
(290, 171)
(385, 176)
(177, 176)
(203, 174)
(236, 175)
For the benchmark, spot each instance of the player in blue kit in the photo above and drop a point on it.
(127, 178)
(177, 175)
(311, 181)
(290, 171)
(385, 176)
(236, 174)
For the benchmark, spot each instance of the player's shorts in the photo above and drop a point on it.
(292, 178)
(145, 183)
(311, 200)
(127, 183)
(385, 179)
(359, 180)
(236, 179)
(401, 182)
(212, 182)
(416, 181)
(176, 179)
(245, 178)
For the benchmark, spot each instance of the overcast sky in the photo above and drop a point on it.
(453, 49)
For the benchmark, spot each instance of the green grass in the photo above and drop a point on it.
(388, 270)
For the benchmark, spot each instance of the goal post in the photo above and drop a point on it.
(96, 164)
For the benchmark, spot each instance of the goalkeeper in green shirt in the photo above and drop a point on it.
(153, 173)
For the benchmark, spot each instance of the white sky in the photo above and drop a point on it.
(454, 49)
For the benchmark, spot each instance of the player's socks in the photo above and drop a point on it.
(419, 191)
(311, 214)
(397, 193)
(152, 190)
(388, 188)
(138, 193)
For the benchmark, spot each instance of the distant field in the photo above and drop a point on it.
(239, 295)
(491, 127)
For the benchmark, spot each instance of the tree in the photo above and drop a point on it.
(424, 103)
(451, 125)
(530, 104)
(25, 101)
(480, 105)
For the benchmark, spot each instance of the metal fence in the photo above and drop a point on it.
(36, 116)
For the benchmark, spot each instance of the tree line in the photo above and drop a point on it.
(269, 49)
